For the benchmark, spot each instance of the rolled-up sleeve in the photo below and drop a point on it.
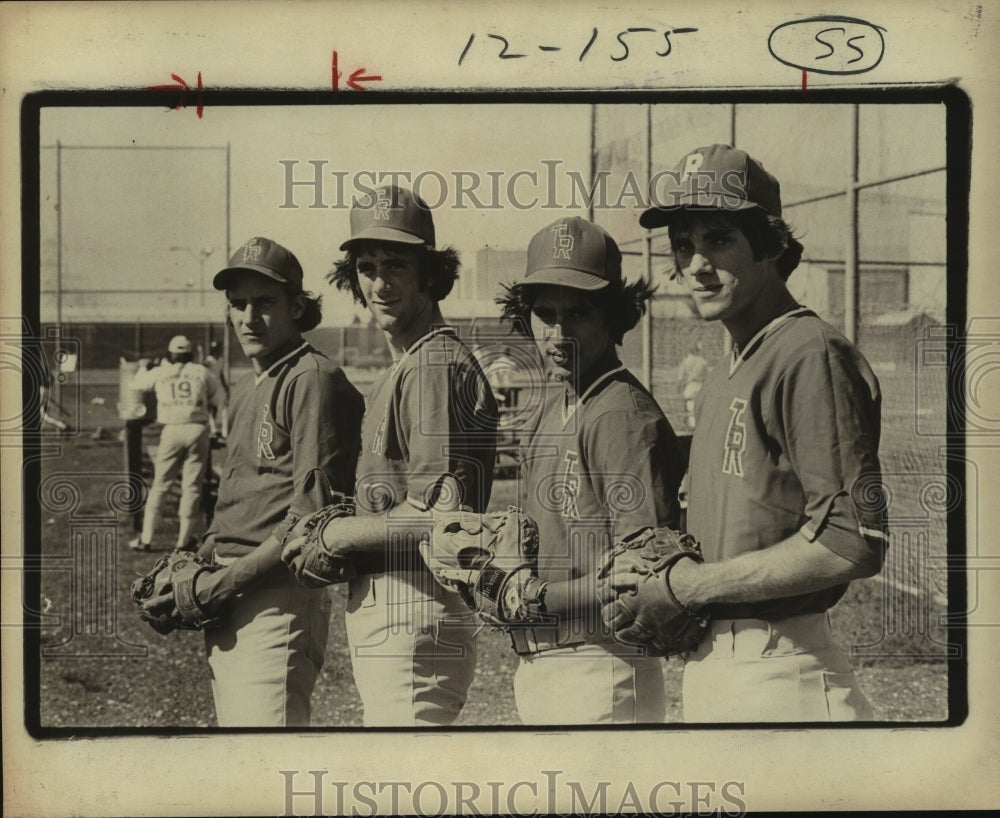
(832, 413)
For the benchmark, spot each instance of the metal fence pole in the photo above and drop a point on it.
(852, 283)
(56, 384)
(647, 259)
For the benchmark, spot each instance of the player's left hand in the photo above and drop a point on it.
(489, 559)
(305, 551)
(170, 597)
(500, 598)
(637, 601)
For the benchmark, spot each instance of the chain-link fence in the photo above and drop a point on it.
(864, 188)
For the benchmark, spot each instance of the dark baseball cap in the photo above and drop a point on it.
(260, 255)
(716, 177)
(572, 252)
(395, 214)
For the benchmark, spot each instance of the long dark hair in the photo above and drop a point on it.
(622, 304)
(312, 311)
(438, 270)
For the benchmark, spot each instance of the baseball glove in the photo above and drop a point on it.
(637, 603)
(491, 560)
(165, 595)
(307, 555)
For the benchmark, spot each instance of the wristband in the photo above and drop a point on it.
(523, 597)
(533, 596)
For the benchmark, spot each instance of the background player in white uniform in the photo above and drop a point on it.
(785, 491)
(186, 396)
(213, 363)
(691, 372)
(44, 398)
(428, 443)
(602, 462)
(293, 438)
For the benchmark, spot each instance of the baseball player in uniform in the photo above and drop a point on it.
(293, 437)
(692, 371)
(601, 462)
(785, 482)
(428, 444)
(44, 395)
(213, 363)
(186, 396)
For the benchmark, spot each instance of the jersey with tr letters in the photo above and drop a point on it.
(431, 416)
(787, 441)
(593, 475)
(598, 472)
(294, 432)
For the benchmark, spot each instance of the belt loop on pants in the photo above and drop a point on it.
(793, 634)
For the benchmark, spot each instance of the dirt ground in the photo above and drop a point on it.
(123, 675)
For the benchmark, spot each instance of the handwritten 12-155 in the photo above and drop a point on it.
(641, 38)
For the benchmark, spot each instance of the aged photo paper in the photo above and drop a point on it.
(143, 143)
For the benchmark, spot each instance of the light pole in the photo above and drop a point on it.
(202, 256)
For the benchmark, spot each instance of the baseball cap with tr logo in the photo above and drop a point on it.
(716, 177)
(572, 252)
(260, 255)
(394, 214)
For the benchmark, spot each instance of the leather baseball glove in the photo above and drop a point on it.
(305, 553)
(491, 560)
(165, 596)
(637, 603)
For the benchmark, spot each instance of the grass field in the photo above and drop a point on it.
(102, 668)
